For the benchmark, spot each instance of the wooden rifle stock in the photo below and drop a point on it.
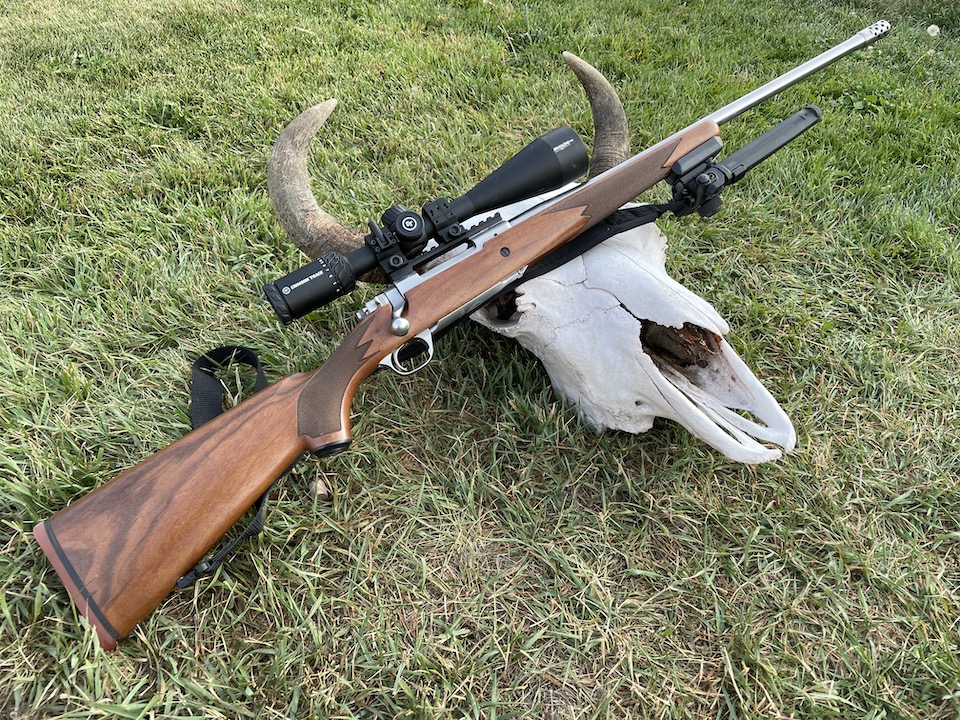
(120, 549)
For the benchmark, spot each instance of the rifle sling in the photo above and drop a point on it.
(620, 221)
(206, 403)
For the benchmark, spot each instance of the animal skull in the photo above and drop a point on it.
(626, 343)
(618, 337)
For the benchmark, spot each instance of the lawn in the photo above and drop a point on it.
(482, 552)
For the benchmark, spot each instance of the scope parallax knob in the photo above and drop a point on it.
(408, 227)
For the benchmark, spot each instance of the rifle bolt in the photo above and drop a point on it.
(400, 326)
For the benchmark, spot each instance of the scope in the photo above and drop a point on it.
(547, 163)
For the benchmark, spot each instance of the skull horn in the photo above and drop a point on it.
(611, 142)
(316, 232)
(311, 229)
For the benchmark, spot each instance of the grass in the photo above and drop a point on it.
(483, 554)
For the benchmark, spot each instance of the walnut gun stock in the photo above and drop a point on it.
(121, 549)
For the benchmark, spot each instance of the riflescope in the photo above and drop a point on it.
(547, 163)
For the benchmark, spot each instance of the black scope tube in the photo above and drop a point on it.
(547, 163)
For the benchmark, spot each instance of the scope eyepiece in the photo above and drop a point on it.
(325, 279)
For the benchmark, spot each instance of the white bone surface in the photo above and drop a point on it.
(583, 321)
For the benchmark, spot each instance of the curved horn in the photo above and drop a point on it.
(316, 232)
(311, 229)
(611, 141)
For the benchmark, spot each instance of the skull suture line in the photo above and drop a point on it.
(618, 336)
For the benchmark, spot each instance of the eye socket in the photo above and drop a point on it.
(505, 306)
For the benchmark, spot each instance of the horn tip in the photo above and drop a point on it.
(322, 109)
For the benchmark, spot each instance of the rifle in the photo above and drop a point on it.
(122, 548)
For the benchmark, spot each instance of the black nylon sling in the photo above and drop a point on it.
(206, 403)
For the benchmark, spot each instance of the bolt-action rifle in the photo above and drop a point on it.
(122, 548)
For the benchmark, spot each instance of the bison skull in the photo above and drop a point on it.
(626, 343)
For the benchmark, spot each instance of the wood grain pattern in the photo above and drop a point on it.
(124, 546)
(323, 410)
(120, 550)
(535, 238)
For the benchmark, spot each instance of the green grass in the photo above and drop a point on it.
(483, 553)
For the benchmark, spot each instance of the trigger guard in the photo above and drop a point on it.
(399, 359)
